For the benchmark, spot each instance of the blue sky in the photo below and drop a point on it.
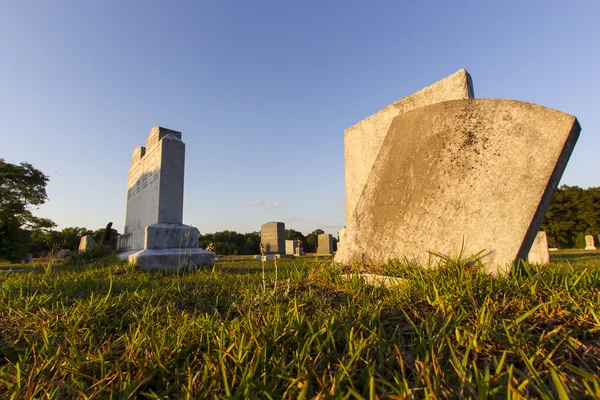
(262, 92)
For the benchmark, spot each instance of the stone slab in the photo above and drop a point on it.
(362, 142)
(155, 181)
(461, 177)
(86, 243)
(291, 246)
(589, 242)
(170, 259)
(375, 280)
(539, 253)
(272, 237)
(325, 244)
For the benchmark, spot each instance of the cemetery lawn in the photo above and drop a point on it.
(104, 329)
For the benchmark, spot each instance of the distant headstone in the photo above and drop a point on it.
(86, 243)
(290, 246)
(589, 243)
(28, 258)
(539, 253)
(453, 177)
(154, 236)
(272, 236)
(325, 244)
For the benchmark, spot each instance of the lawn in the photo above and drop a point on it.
(102, 329)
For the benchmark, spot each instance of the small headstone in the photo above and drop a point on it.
(28, 258)
(539, 250)
(290, 247)
(589, 243)
(86, 243)
(272, 237)
(325, 244)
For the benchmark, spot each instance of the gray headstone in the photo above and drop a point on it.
(457, 177)
(589, 243)
(154, 235)
(272, 237)
(28, 258)
(291, 247)
(539, 253)
(363, 141)
(86, 243)
(325, 244)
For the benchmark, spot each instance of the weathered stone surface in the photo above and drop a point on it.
(272, 237)
(341, 234)
(154, 235)
(375, 280)
(170, 259)
(325, 244)
(363, 141)
(539, 253)
(589, 243)
(86, 243)
(461, 176)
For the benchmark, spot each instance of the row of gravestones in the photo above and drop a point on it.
(272, 238)
(438, 171)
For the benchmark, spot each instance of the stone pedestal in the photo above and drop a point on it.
(155, 237)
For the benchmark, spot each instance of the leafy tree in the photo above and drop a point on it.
(22, 188)
(312, 241)
(573, 213)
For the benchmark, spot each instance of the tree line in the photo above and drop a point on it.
(573, 214)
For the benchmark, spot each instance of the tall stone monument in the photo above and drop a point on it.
(589, 243)
(272, 237)
(452, 175)
(325, 244)
(154, 236)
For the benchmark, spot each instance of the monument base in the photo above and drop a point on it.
(170, 259)
(590, 248)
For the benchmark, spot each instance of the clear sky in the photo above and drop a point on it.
(262, 92)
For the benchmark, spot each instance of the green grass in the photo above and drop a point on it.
(104, 329)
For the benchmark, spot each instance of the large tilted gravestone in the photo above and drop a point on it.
(272, 237)
(455, 177)
(154, 236)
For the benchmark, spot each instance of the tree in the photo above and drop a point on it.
(312, 241)
(22, 188)
(573, 213)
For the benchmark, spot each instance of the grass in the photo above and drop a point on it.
(103, 329)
